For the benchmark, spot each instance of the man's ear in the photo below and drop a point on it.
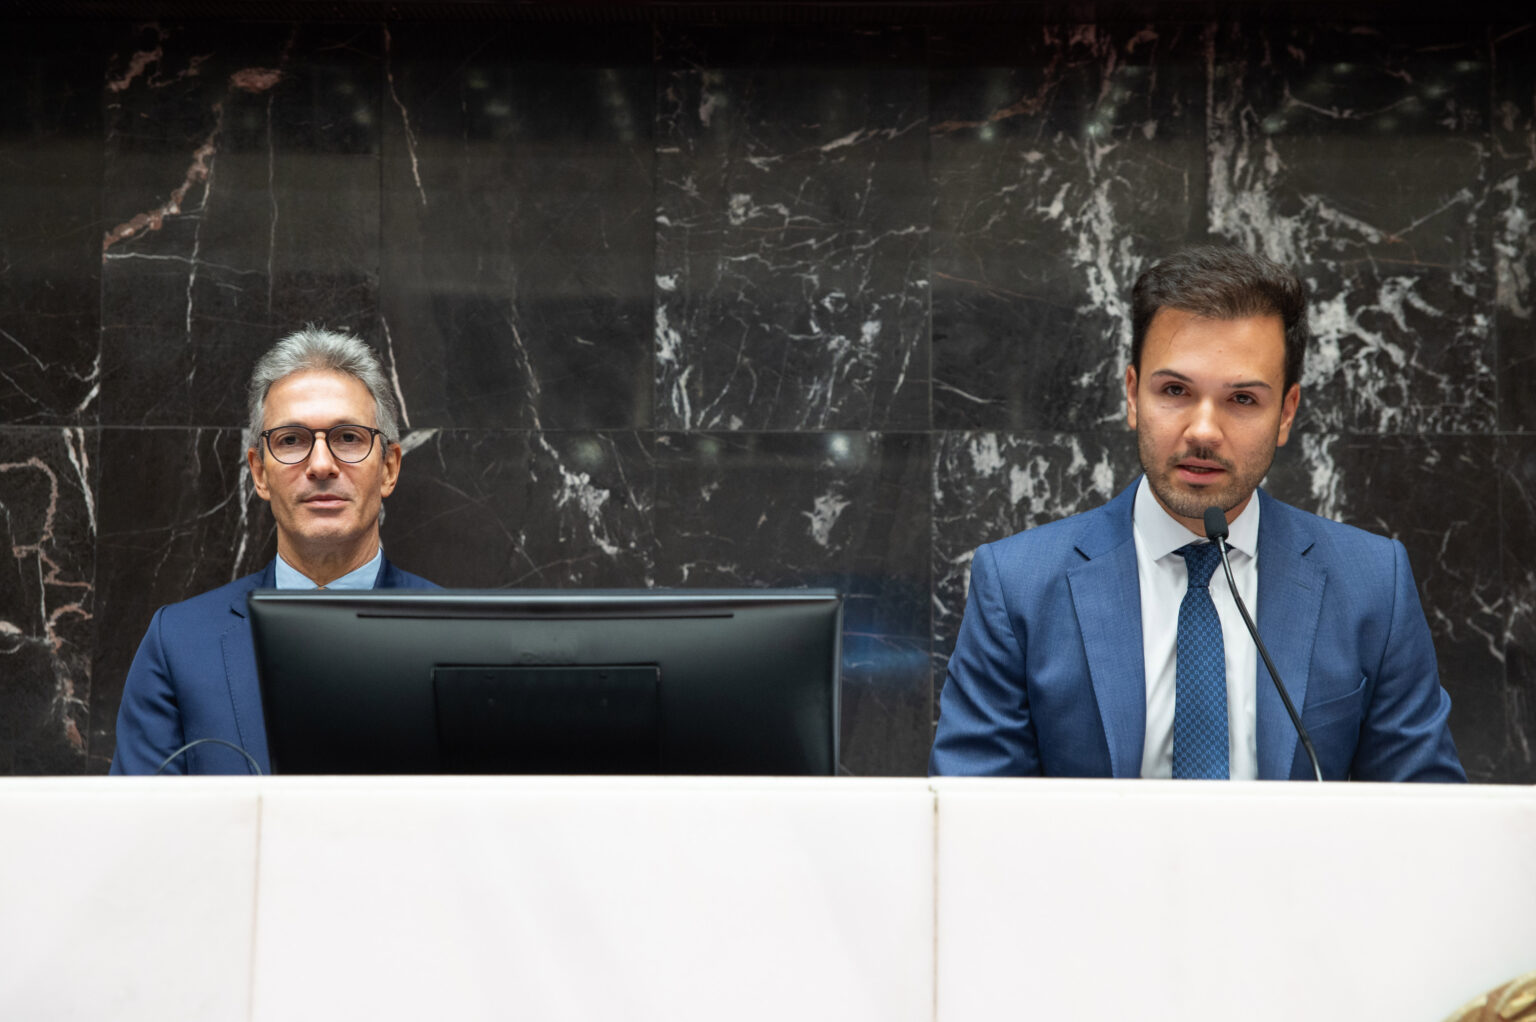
(258, 472)
(1288, 414)
(1130, 396)
(392, 455)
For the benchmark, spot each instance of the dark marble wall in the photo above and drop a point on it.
(683, 305)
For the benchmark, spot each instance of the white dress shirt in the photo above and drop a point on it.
(1164, 578)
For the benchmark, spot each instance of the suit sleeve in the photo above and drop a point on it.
(1405, 735)
(149, 724)
(984, 725)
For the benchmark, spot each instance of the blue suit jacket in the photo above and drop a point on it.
(194, 676)
(1047, 675)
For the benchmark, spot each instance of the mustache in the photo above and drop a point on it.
(1200, 454)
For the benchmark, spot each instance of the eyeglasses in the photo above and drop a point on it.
(292, 444)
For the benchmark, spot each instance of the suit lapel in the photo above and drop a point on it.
(1106, 597)
(388, 577)
(1290, 599)
(240, 671)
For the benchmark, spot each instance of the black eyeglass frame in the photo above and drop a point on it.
(266, 435)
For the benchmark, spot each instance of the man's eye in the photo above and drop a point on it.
(1174, 390)
(1243, 399)
(287, 440)
(349, 436)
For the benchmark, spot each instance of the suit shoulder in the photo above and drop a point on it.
(1363, 555)
(214, 602)
(396, 578)
(1329, 532)
(1047, 540)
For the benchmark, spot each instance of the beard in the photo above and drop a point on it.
(1236, 483)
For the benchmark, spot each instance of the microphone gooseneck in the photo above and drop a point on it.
(1216, 532)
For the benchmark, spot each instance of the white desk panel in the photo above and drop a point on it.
(126, 899)
(583, 899)
(1198, 901)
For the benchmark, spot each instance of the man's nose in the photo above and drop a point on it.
(1204, 426)
(321, 464)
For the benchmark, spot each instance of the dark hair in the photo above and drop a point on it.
(1221, 282)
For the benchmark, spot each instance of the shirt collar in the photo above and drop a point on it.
(289, 577)
(1162, 534)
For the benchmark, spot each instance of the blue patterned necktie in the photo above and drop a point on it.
(1200, 700)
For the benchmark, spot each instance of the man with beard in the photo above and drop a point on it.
(1068, 659)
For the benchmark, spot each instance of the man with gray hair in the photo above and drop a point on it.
(323, 450)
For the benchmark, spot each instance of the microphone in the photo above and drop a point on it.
(1216, 532)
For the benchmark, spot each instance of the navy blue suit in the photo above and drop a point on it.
(194, 676)
(1048, 678)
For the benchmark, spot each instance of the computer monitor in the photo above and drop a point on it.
(550, 682)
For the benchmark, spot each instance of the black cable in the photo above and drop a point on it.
(1216, 532)
(255, 767)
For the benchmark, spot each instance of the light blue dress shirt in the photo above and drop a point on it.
(366, 577)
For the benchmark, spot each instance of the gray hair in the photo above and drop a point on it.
(314, 349)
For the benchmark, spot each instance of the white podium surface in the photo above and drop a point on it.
(126, 902)
(583, 899)
(1211, 900)
(263, 899)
